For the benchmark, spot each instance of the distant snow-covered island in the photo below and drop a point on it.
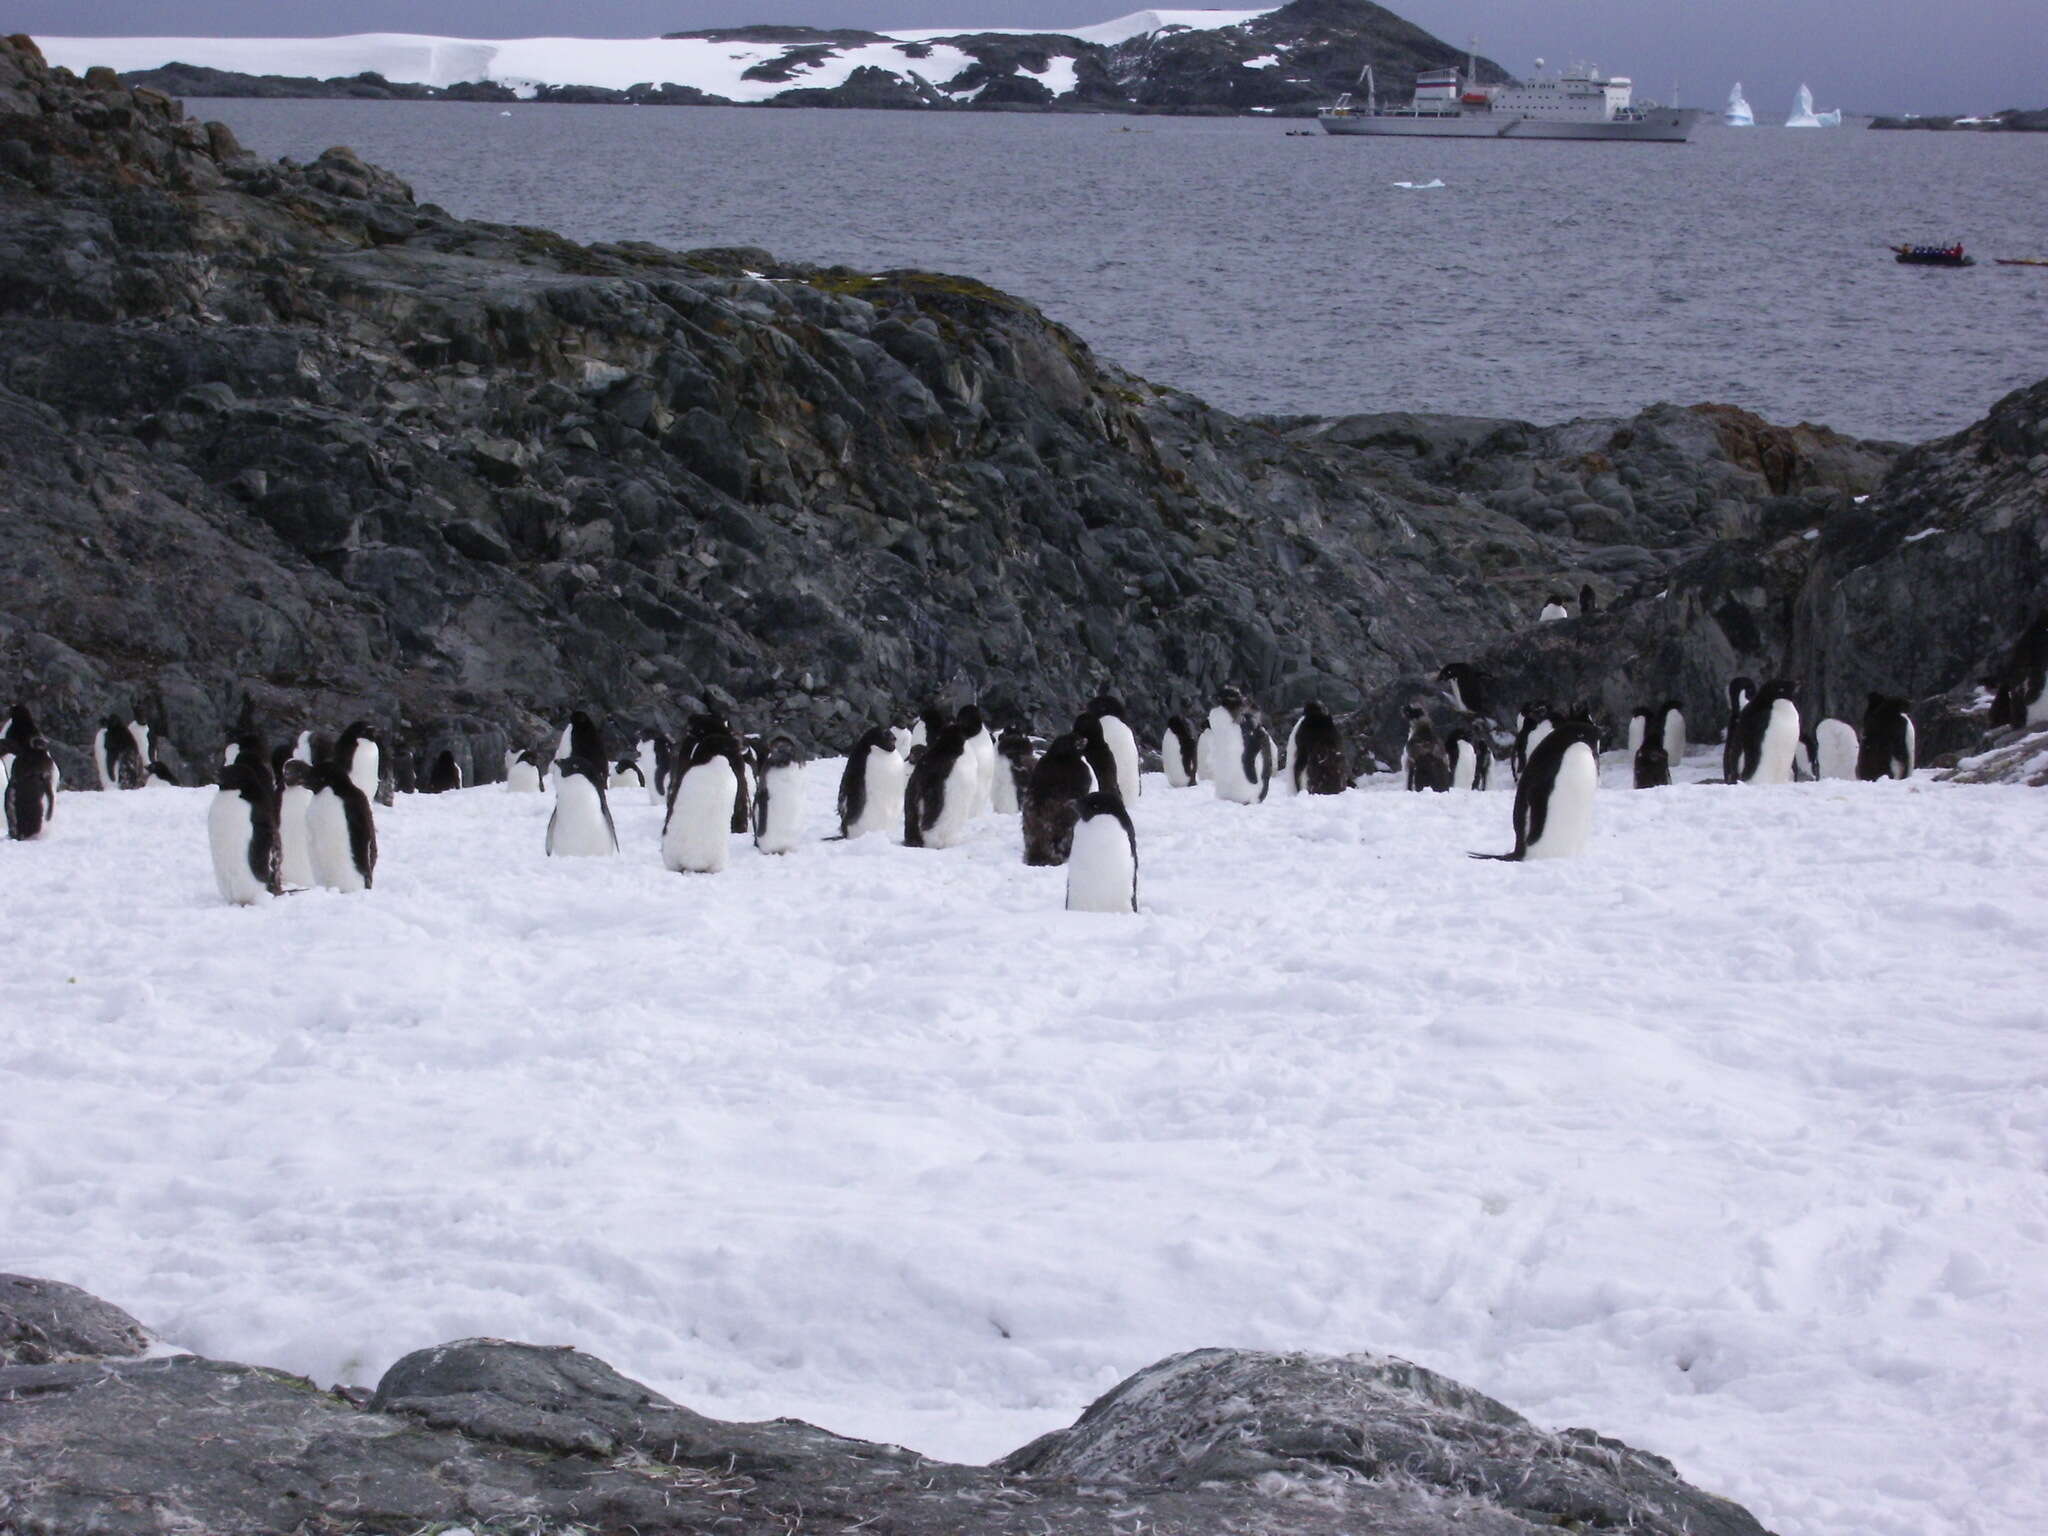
(1284, 60)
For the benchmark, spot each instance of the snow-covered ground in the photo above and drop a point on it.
(614, 63)
(1726, 1138)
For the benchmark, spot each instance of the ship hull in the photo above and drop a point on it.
(1662, 125)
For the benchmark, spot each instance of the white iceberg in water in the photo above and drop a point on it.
(1420, 186)
(1803, 115)
(1737, 114)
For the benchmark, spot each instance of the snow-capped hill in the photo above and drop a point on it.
(1290, 57)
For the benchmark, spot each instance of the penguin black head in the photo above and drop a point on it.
(585, 739)
(1740, 691)
(1411, 712)
(21, 725)
(293, 774)
(968, 719)
(1014, 743)
(1088, 726)
(782, 752)
(248, 776)
(1107, 704)
(1672, 706)
(159, 771)
(1230, 698)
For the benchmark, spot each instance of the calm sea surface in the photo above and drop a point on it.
(1269, 273)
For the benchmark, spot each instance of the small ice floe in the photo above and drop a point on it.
(1420, 186)
(504, 114)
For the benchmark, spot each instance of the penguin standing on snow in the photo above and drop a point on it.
(1015, 755)
(1834, 749)
(1639, 727)
(1674, 731)
(581, 824)
(360, 756)
(1102, 867)
(341, 830)
(1428, 768)
(938, 803)
(1890, 744)
(626, 774)
(1316, 757)
(1554, 798)
(1123, 745)
(445, 775)
(241, 830)
(1471, 758)
(1741, 690)
(1060, 780)
(696, 834)
(294, 843)
(1652, 763)
(779, 797)
(123, 760)
(525, 774)
(1553, 609)
(871, 785)
(980, 746)
(657, 757)
(1177, 753)
(1241, 753)
(1095, 748)
(1768, 732)
(31, 794)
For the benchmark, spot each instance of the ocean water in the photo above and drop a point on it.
(1270, 273)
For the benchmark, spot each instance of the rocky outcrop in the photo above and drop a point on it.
(482, 1431)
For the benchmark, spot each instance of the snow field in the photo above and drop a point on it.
(613, 63)
(1725, 1138)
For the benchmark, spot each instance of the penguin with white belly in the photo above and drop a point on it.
(1471, 757)
(525, 774)
(871, 785)
(1741, 691)
(1769, 736)
(294, 845)
(1834, 749)
(980, 746)
(1469, 688)
(1241, 754)
(241, 830)
(2020, 689)
(1102, 866)
(123, 759)
(1638, 727)
(361, 756)
(938, 803)
(1016, 752)
(581, 824)
(1095, 748)
(1554, 796)
(1890, 744)
(696, 834)
(1316, 758)
(1177, 753)
(1534, 725)
(779, 797)
(1674, 731)
(1116, 733)
(445, 775)
(341, 830)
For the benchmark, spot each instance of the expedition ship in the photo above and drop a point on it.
(1580, 103)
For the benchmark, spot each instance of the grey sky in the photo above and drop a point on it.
(1865, 55)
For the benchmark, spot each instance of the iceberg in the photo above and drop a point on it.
(1737, 114)
(1421, 186)
(1803, 115)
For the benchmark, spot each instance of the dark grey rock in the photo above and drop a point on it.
(46, 1321)
(483, 1431)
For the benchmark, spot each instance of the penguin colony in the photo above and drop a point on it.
(303, 815)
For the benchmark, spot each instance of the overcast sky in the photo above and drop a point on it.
(1865, 55)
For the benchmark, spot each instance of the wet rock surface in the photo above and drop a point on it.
(280, 443)
(508, 1436)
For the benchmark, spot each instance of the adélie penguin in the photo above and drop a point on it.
(980, 746)
(1015, 755)
(524, 774)
(581, 824)
(1428, 767)
(1890, 744)
(939, 801)
(1740, 691)
(1769, 736)
(871, 785)
(2020, 689)
(1316, 756)
(696, 834)
(1123, 745)
(1177, 753)
(1674, 731)
(779, 797)
(241, 831)
(1102, 866)
(445, 775)
(1554, 796)
(341, 829)
(1060, 780)
(1834, 749)
(360, 755)
(294, 844)
(31, 793)
(1241, 755)
(1471, 757)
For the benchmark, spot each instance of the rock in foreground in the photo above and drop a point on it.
(483, 1431)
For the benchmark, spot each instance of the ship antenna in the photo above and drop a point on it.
(1472, 60)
